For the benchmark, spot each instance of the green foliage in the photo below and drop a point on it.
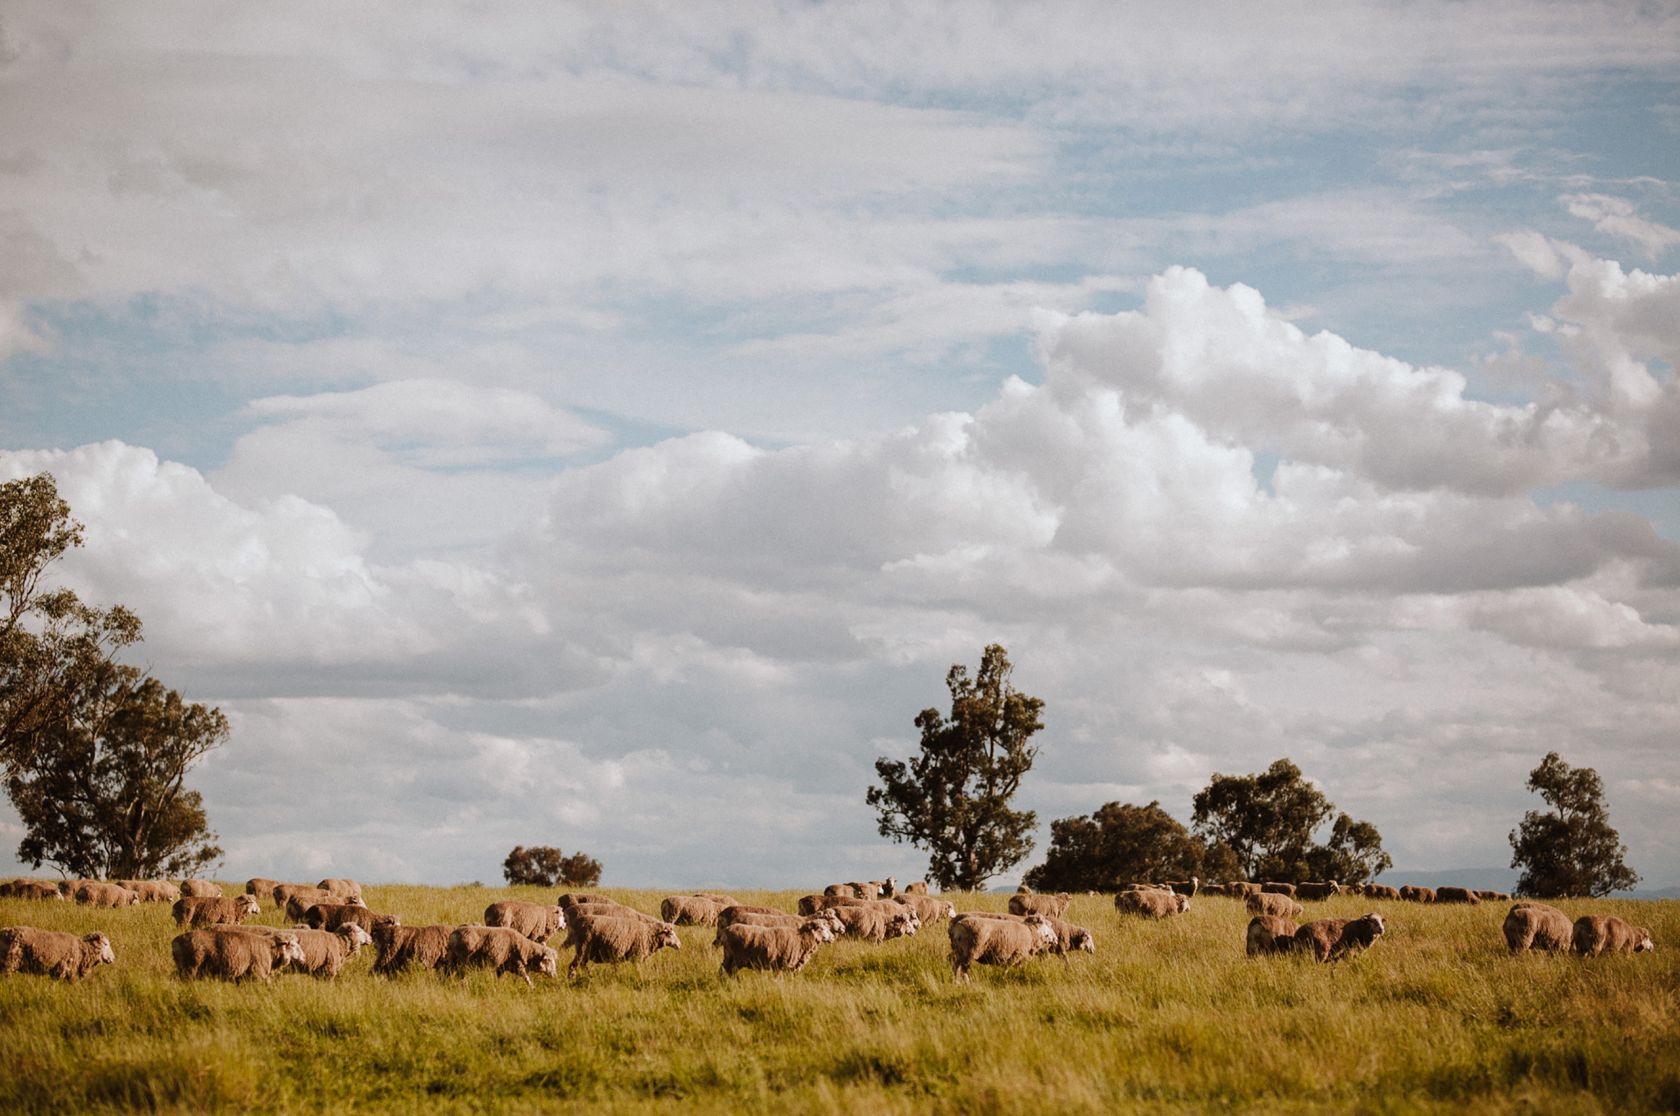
(580, 870)
(93, 752)
(1571, 850)
(1267, 821)
(1118, 844)
(953, 798)
(545, 866)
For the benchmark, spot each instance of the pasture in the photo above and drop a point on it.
(1166, 1016)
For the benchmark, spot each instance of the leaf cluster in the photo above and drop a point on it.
(546, 866)
(1118, 844)
(1571, 850)
(1268, 820)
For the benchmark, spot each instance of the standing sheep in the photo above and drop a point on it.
(1151, 904)
(1456, 895)
(877, 921)
(200, 889)
(1538, 926)
(1331, 939)
(152, 891)
(1381, 891)
(347, 889)
(1270, 934)
(1271, 903)
(535, 921)
(233, 953)
(499, 948)
(296, 899)
(778, 949)
(927, 908)
(31, 889)
(1070, 938)
(24, 949)
(689, 910)
(325, 951)
(96, 893)
(997, 941)
(213, 910)
(261, 887)
(611, 940)
(916, 887)
(401, 946)
(330, 916)
(1412, 893)
(1054, 905)
(1274, 887)
(1596, 934)
(1316, 890)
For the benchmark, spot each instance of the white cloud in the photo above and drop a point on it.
(1620, 218)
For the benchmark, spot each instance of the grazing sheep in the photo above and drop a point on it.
(1538, 926)
(1274, 887)
(760, 916)
(1270, 934)
(997, 941)
(1412, 893)
(330, 916)
(200, 889)
(1455, 895)
(610, 940)
(1596, 934)
(535, 921)
(1186, 888)
(1147, 885)
(233, 953)
(24, 949)
(1331, 939)
(401, 946)
(347, 889)
(877, 921)
(927, 908)
(1151, 904)
(572, 898)
(1055, 905)
(296, 899)
(1493, 896)
(689, 910)
(1271, 903)
(198, 911)
(97, 893)
(151, 891)
(1241, 889)
(325, 951)
(260, 887)
(31, 889)
(501, 948)
(777, 949)
(916, 887)
(1381, 891)
(1070, 938)
(1316, 890)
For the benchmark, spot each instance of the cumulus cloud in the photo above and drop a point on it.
(1620, 218)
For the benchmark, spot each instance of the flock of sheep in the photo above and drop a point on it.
(332, 924)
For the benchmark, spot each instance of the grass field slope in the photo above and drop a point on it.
(1169, 1015)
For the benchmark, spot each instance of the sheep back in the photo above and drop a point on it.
(25, 949)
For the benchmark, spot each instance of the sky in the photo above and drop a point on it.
(605, 425)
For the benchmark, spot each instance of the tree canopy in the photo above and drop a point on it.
(952, 798)
(94, 752)
(1268, 820)
(1118, 844)
(546, 866)
(1570, 850)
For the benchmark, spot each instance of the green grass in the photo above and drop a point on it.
(1165, 1016)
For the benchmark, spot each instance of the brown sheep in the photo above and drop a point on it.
(500, 948)
(213, 910)
(346, 889)
(151, 891)
(689, 910)
(295, 899)
(1331, 939)
(1493, 896)
(31, 889)
(233, 953)
(916, 887)
(1054, 905)
(199, 889)
(877, 921)
(1412, 893)
(400, 946)
(260, 887)
(1151, 904)
(997, 941)
(611, 940)
(24, 949)
(1273, 887)
(762, 916)
(1538, 926)
(1315, 890)
(1381, 891)
(535, 921)
(1241, 889)
(330, 916)
(325, 951)
(1271, 903)
(777, 949)
(1270, 934)
(1455, 895)
(1596, 934)
(96, 893)
(1188, 888)
(927, 908)
(1070, 938)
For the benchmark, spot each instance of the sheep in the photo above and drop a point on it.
(1317, 890)
(1151, 904)
(1055, 905)
(96, 893)
(1275, 887)
(927, 908)
(24, 949)
(535, 921)
(325, 951)
(997, 941)
(31, 889)
(1186, 888)
(611, 940)
(1271, 903)
(400, 946)
(151, 891)
(1538, 926)
(1270, 934)
(1493, 896)
(1456, 895)
(212, 910)
(200, 889)
(1412, 893)
(916, 887)
(778, 949)
(889, 887)
(1070, 937)
(1147, 885)
(295, 899)
(689, 910)
(501, 948)
(1241, 889)
(1596, 934)
(607, 909)
(233, 953)
(1331, 939)
(330, 916)
(1381, 891)
(878, 921)
(260, 887)
(763, 916)
(347, 889)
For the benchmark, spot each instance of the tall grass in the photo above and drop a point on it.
(1168, 1015)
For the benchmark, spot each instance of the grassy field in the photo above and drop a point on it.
(1165, 1016)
